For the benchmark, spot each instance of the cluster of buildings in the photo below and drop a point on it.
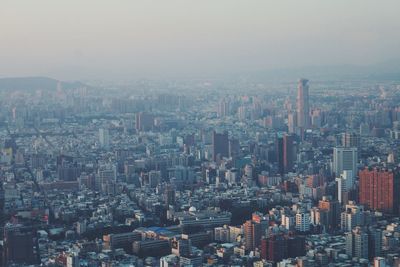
(273, 177)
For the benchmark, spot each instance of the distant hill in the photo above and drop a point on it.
(35, 83)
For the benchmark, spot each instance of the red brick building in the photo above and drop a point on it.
(380, 189)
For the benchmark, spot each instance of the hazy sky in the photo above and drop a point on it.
(79, 39)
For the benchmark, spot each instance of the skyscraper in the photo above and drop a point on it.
(220, 144)
(288, 152)
(378, 189)
(303, 108)
(345, 159)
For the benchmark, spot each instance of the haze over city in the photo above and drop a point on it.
(124, 39)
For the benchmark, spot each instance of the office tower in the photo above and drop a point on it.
(357, 243)
(303, 109)
(345, 184)
(345, 159)
(292, 122)
(252, 234)
(220, 144)
(379, 189)
(289, 152)
(19, 245)
(350, 139)
(333, 209)
(104, 138)
(144, 121)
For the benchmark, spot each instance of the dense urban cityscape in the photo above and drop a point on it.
(178, 133)
(292, 175)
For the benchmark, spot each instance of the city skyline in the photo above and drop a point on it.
(185, 133)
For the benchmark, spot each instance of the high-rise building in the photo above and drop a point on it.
(352, 216)
(252, 234)
(357, 243)
(104, 138)
(292, 122)
(242, 113)
(220, 143)
(280, 246)
(374, 242)
(333, 209)
(345, 159)
(288, 152)
(274, 248)
(345, 184)
(19, 245)
(379, 189)
(303, 109)
(350, 139)
(223, 108)
(169, 195)
(234, 147)
(258, 217)
(303, 221)
(144, 121)
(285, 153)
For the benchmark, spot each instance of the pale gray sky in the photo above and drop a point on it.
(78, 39)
